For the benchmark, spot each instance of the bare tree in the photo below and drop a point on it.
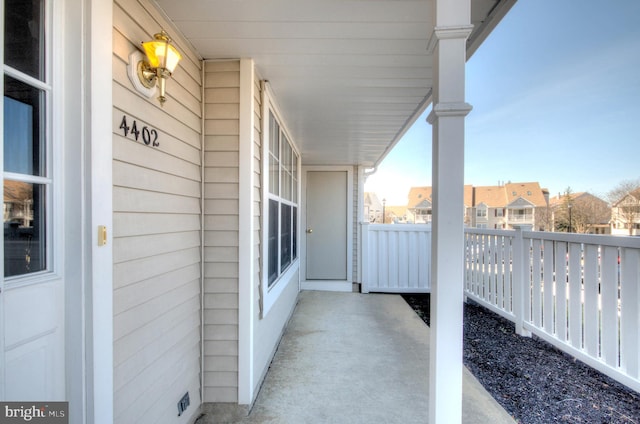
(625, 203)
(544, 216)
(564, 213)
(587, 212)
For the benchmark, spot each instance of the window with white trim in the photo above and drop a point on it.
(282, 210)
(481, 212)
(26, 174)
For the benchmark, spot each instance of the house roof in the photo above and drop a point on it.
(398, 211)
(418, 195)
(558, 200)
(492, 196)
(350, 77)
(528, 191)
(634, 195)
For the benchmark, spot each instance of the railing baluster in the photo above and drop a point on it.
(561, 291)
(609, 307)
(500, 271)
(474, 264)
(591, 312)
(508, 279)
(485, 267)
(549, 255)
(575, 296)
(520, 290)
(536, 269)
(629, 266)
(493, 273)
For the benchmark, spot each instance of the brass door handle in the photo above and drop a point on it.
(309, 230)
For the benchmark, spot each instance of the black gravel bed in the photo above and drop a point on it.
(532, 380)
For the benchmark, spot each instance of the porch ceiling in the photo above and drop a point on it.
(349, 76)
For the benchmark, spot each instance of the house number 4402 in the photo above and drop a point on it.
(148, 135)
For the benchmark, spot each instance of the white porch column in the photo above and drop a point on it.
(246, 301)
(447, 273)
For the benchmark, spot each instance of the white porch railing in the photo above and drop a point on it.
(581, 293)
(396, 258)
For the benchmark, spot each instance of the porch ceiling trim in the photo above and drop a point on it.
(351, 77)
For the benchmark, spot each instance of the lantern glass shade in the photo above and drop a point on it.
(161, 54)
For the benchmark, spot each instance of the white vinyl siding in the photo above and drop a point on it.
(221, 193)
(156, 233)
(222, 246)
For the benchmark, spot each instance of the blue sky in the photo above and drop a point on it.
(555, 91)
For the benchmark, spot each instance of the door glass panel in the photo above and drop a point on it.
(24, 36)
(23, 128)
(24, 228)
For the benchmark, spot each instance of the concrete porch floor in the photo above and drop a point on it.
(357, 358)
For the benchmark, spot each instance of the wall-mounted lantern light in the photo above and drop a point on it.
(160, 62)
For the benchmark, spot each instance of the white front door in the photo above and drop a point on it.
(33, 341)
(327, 225)
(32, 332)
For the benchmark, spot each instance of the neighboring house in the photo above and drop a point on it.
(420, 205)
(397, 215)
(493, 207)
(506, 205)
(580, 213)
(625, 215)
(168, 241)
(372, 207)
(18, 204)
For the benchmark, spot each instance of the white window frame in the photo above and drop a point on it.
(52, 159)
(270, 294)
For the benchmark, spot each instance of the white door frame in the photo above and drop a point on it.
(346, 285)
(87, 200)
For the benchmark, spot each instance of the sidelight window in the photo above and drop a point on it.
(26, 176)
